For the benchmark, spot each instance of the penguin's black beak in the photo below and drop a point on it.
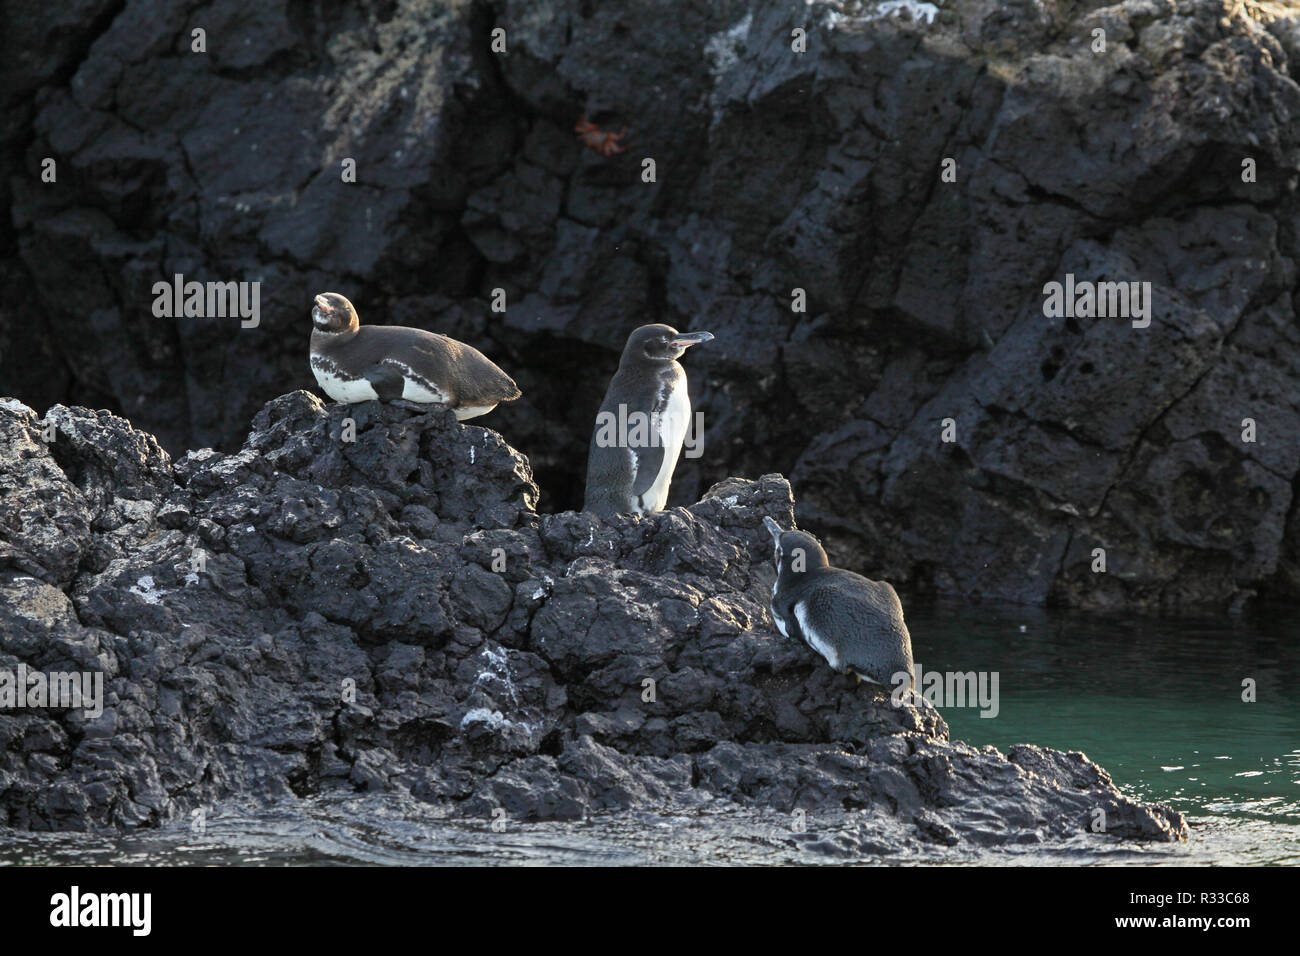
(686, 339)
(773, 529)
(321, 303)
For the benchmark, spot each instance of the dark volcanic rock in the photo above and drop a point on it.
(776, 170)
(385, 610)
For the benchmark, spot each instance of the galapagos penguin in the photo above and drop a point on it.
(392, 363)
(855, 623)
(641, 424)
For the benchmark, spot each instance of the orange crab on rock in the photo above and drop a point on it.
(604, 143)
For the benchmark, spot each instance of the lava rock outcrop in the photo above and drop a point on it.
(366, 597)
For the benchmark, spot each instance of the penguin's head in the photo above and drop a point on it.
(661, 343)
(333, 313)
(795, 551)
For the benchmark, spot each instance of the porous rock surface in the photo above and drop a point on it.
(365, 597)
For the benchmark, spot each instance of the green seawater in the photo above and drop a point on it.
(1156, 701)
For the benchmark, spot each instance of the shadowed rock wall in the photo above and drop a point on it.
(775, 170)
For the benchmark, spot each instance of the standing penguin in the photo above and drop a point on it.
(641, 424)
(391, 363)
(855, 623)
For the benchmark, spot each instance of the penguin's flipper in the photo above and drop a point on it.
(386, 380)
(646, 464)
(609, 474)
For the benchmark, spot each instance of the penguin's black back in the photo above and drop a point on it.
(861, 617)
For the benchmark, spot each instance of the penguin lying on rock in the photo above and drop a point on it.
(406, 366)
(855, 623)
(641, 424)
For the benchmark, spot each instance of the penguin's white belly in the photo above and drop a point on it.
(815, 640)
(471, 411)
(347, 390)
(673, 424)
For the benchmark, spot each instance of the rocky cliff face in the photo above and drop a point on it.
(366, 598)
(775, 170)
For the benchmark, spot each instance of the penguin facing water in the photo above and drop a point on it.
(641, 424)
(855, 623)
(392, 363)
